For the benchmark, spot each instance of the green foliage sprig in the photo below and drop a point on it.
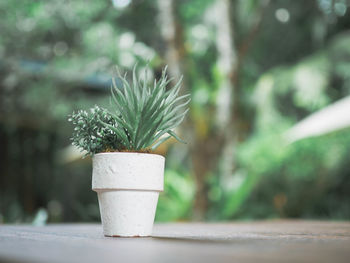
(142, 114)
(89, 135)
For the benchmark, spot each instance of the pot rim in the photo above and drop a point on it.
(117, 153)
(111, 189)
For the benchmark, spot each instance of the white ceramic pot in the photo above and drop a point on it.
(128, 186)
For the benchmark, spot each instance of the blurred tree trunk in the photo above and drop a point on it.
(175, 54)
(215, 151)
(227, 100)
(204, 150)
(230, 62)
(171, 32)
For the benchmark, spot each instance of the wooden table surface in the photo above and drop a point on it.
(264, 241)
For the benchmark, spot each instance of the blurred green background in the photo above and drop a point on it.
(255, 69)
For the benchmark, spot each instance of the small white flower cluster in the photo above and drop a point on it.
(90, 134)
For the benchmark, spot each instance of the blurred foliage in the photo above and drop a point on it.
(58, 56)
(296, 178)
(176, 200)
(299, 180)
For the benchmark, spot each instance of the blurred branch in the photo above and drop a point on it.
(333, 6)
(332, 118)
(247, 42)
(242, 51)
(101, 14)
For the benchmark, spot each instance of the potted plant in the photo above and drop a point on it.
(126, 175)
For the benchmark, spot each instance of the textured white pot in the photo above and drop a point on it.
(128, 186)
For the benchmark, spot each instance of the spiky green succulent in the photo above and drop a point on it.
(143, 116)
